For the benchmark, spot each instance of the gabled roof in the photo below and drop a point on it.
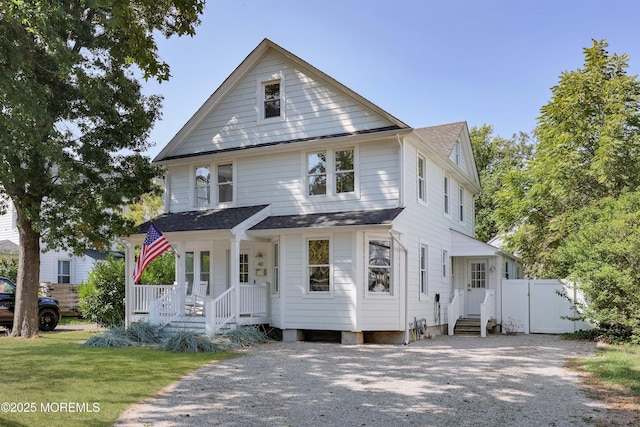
(212, 219)
(332, 219)
(243, 70)
(443, 137)
(8, 247)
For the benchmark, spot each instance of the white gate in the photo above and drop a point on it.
(535, 306)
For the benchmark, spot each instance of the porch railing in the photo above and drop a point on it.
(456, 309)
(144, 294)
(253, 300)
(487, 310)
(166, 308)
(222, 311)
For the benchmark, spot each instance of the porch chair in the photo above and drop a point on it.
(195, 301)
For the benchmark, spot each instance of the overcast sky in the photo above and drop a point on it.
(427, 62)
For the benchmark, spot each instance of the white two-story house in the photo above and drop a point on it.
(293, 201)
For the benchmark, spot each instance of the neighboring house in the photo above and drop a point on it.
(55, 266)
(293, 201)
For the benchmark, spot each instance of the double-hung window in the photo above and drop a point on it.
(424, 270)
(331, 172)
(318, 265)
(379, 265)
(422, 179)
(64, 271)
(202, 186)
(445, 265)
(317, 173)
(225, 183)
(446, 192)
(345, 172)
(271, 100)
(461, 200)
(222, 186)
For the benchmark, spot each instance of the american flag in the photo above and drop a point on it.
(154, 245)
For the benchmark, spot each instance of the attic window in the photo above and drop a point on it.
(457, 154)
(271, 100)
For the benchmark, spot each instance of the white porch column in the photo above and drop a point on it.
(181, 288)
(234, 272)
(129, 265)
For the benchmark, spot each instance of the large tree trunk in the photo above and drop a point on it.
(25, 318)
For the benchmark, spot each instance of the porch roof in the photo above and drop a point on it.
(330, 219)
(212, 219)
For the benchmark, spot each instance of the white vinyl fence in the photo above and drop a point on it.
(535, 306)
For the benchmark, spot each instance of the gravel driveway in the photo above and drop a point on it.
(447, 381)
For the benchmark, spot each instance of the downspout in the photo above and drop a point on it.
(406, 290)
(401, 172)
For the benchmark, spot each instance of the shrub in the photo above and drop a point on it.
(102, 296)
(145, 333)
(113, 338)
(245, 336)
(190, 342)
(9, 268)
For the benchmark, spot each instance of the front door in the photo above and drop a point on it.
(476, 285)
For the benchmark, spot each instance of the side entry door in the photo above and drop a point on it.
(476, 285)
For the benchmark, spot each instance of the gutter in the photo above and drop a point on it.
(406, 291)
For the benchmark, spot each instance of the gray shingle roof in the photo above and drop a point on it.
(335, 219)
(443, 137)
(7, 247)
(213, 219)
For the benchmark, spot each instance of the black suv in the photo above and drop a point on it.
(48, 308)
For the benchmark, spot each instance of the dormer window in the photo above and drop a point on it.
(272, 100)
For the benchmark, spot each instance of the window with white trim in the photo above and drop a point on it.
(458, 154)
(64, 271)
(446, 195)
(422, 178)
(424, 270)
(345, 171)
(445, 264)
(379, 265)
(202, 191)
(318, 265)
(225, 183)
(317, 173)
(461, 203)
(331, 172)
(271, 99)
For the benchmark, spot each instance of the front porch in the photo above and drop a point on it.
(170, 305)
(221, 274)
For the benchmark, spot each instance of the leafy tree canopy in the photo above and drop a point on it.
(495, 156)
(602, 254)
(72, 117)
(588, 143)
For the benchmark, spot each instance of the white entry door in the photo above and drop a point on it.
(476, 285)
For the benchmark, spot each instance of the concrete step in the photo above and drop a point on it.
(467, 326)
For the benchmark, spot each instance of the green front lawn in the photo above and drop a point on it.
(614, 376)
(53, 381)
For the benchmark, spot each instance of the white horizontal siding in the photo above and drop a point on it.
(279, 179)
(311, 108)
(304, 311)
(8, 231)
